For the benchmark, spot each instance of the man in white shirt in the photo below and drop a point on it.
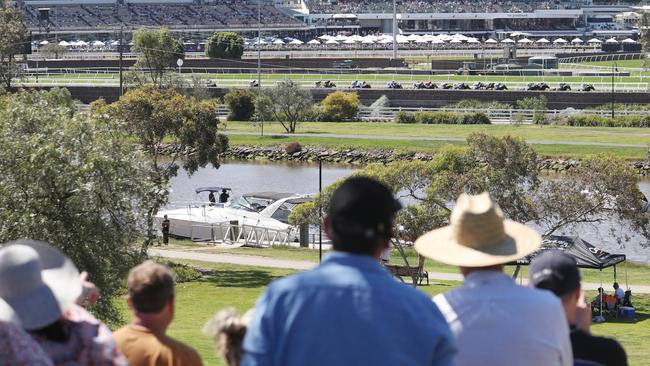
(495, 321)
(619, 293)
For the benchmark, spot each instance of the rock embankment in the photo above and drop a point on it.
(362, 157)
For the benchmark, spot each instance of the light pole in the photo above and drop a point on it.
(259, 59)
(394, 29)
(614, 71)
(121, 59)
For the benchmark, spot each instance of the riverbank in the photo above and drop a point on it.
(360, 156)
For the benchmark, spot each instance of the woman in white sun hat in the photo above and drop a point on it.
(41, 286)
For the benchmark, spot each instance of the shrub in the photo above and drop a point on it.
(241, 103)
(601, 121)
(293, 147)
(225, 45)
(477, 104)
(443, 118)
(341, 106)
(405, 117)
(182, 272)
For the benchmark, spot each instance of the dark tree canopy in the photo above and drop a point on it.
(228, 45)
(13, 38)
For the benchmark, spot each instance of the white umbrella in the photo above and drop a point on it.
(64, 44)
(313, 41)
(524, 40)
(296, 41)
(84, 43)
(559, 40)
(437, 41)
(459, 37)
(594, 40)
(385, 41)
(325, 36)
(455, 41)
(421, 40)
(331, 41)
(278, 41)
(611, 40)
(43, 43)
(473, 40)
(98, 44)
(413, 37)
(490, 40)
(519, 34)
(340, 37)
(542, 40)
(356, 38)
(368, 41)
(577, 40)
(349, 41)
(507, 40)
(628, 40)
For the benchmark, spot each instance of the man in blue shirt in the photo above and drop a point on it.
(349, 310)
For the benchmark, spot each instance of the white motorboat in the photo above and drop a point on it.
(263, 212)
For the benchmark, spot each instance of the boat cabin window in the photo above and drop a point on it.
(249, 203)
(282, 213)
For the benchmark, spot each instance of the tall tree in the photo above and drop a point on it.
(644, 28)
(13, 37)
(73, 179)
(168, 126)
(225, 45)
(601, 188)
(158, 52)
(286, 102)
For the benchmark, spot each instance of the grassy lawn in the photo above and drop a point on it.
(637, 274)
(239, 287)
(528, 132)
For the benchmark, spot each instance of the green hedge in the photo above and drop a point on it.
(443, 118)
(600, 121)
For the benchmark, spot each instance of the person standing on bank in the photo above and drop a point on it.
(495, 321)
(349, 310)
(165, 230)
(558, 272)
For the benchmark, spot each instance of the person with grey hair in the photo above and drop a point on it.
(228, 329)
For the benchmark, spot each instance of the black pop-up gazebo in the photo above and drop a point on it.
(586, 254)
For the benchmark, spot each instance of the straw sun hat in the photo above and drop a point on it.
(478, 236)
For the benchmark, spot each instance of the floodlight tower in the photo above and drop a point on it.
(394, 29)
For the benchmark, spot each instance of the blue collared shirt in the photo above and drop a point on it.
(347, 311)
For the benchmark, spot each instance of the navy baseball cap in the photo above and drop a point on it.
(556, 271)
(362, 206)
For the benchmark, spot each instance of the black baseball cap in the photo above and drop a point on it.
(363, 207)
(556, 271)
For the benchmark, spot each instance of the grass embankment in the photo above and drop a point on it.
(556, 137)
(239, 287)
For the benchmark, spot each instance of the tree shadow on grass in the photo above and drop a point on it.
(241, 278)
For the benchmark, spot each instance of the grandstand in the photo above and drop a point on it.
(487, 17)
(98, 15)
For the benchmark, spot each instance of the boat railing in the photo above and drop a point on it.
(233, 235)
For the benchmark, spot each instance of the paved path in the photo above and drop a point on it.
(424, 138)
(257, 261)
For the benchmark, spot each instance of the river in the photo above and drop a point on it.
(256, 176)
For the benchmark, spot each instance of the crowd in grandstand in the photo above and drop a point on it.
(431, 6)
(221, 14)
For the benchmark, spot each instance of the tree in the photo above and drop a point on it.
(73, 179)
(644, 27)
(158, 54)
(53, 50)
(228, 45)
(168, 126)
(341, 106)
(13, 37)
(286, 103)
(241, 103)
(601, 188)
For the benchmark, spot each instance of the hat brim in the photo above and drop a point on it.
(37, 309)
(440, 246)
(61, 277)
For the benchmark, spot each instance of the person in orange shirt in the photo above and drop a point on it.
(151, 300)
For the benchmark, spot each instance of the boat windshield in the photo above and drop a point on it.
(249, 203)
